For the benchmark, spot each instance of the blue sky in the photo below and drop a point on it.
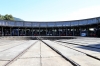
(51, 10)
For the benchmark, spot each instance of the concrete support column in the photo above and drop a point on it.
(76, 31)
(59, 31)
(87, 30)
(80, 31)
(10, 32)
(46, 31)
(2, 32)
(32, 31)
(70, 31)
(18, 31)
(66, 31)
(53, 32)
(73, 31)
(39, 31)
(25, 31)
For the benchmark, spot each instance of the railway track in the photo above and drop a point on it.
(49, 53)
(78, 44)
(15, 58)
(66, 58)
(7, 55)
(86, 51)
(95, 61)
(80, 51)
(9, 46)
(44, 59)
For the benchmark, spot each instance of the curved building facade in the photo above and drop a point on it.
(85, 27)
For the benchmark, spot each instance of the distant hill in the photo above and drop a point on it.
(17, 19)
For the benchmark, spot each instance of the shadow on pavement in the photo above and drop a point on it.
(90, 47)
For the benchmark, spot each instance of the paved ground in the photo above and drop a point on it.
(77, 52)
(78, 57)
(36, 53)
(87, 45)
(11, 49)
(40, 55)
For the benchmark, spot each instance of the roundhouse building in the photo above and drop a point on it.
(85, 27)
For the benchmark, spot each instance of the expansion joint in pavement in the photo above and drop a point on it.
(40, 55)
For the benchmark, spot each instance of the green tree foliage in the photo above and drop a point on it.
(8, 17)
(1, 17)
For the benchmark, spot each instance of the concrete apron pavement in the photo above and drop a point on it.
(86, 50)
(11, 53)
(40, 55)
(76, 56)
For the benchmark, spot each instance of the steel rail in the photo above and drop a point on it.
(66, 58)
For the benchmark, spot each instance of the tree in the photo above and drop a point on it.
(1, 17)
(8, 17)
